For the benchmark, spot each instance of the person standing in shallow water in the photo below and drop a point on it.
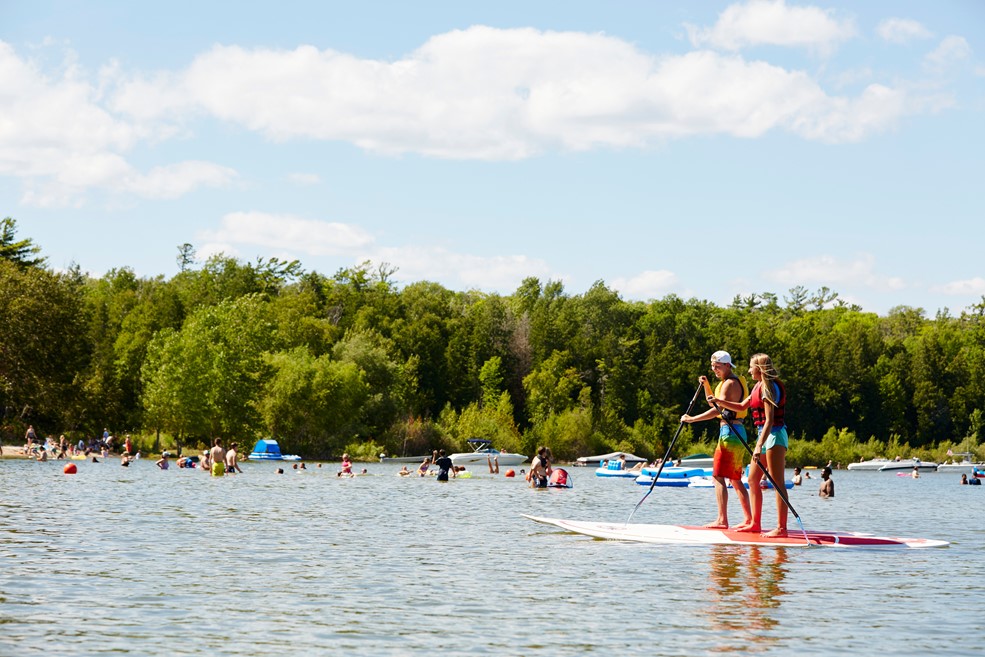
(444, 466)
(232, 460)
(827, 485)
(729, 454)
(767, 401)
(217, 457)
(540, 469)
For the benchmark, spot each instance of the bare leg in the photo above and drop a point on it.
(749, 521)
(776, 460)
(721, 497)
(756, 498)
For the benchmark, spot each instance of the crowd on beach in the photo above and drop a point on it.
(62, 448)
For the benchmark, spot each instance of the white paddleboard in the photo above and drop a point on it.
(685, 535)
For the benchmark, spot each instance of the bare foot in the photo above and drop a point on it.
(779, 532)
(751, 529)
(716, 525)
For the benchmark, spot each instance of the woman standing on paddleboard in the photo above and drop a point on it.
(766, 401)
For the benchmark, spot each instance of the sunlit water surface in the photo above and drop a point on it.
(141, 561)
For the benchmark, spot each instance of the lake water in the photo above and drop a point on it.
(141, 561)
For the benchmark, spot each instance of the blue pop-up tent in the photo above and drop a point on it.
(267, 449)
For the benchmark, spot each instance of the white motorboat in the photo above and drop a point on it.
(483, 451)
(871, 464)
(965, 466)
(908, 464)
(403, 459)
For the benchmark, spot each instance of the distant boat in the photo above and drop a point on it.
(403, 459)
(964, 467)
(611, 456)
(908, 464)
(482, 451)
(871, 464)
(268, 450)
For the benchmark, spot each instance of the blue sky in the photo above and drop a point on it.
(704, 149)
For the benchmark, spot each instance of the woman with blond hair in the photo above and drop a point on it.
(766, 402)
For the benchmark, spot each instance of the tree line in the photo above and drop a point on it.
(357, 362)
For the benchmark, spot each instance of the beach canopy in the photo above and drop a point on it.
(266, 448)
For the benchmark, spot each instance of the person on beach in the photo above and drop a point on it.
(827, 484)
(729, 454)
(217, 459)
(29, 437)
(232, 460)
(767, 401)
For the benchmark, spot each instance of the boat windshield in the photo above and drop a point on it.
(479, 444)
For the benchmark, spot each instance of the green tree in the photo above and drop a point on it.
(312, 403)
(43, 343)
(20, 252)
(204, 379)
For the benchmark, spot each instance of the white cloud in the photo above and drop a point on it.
(56, 136)
(435, 263)
(304, 179)
(289, 233)
(902, 30)
(494, 94)
(176, 180)
(951, 50)
(828, 270)
(970, 286)
(647, 285)
(209, 249)
(772, 22)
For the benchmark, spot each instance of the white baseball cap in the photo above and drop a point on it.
(721, 357)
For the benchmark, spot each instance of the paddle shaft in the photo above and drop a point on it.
(670, 448)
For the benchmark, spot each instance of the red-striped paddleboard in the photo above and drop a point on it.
(684, 535)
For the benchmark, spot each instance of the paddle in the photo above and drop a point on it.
(667, 454)
(766, 472)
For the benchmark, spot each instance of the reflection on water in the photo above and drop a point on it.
(746, 590)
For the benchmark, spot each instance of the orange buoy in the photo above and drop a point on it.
(510, 473)
(70, 468)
